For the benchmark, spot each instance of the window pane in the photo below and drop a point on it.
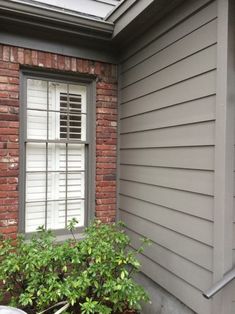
(37, 94)
(80, 90)
(76, 210)
(77, 105)
(55, 89)
(35, 157)
(56, 157)
(53, 125)
(54, 220)
(75, 188)
(35, 186)
(36, 125)
(76, 157)
(35, 216)
(56, 189)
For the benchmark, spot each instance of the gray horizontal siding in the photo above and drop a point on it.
(176, 286)
(198, 40)
(167, 238)
(197, 134)
(193, 274)
(172, 95)
(190, 203)
(181, 179)
(170, 157)
(195, 65)
(167, 138)
(182, 22)
(194, 111)
(174, 220)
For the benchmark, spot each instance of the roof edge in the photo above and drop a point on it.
(86, 25)
(119, 10)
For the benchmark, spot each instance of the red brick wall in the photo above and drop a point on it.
(11, 59)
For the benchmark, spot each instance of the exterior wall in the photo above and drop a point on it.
(167, 137)
(162, 302)
(11, 61)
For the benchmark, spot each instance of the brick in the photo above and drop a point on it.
(73, 65)
(4, 94)
(85, 66)
(27, 57)
(14, 66)
(97, 68)
(1, 52)
(104, 183)
(8, 187)
(34, 57)
(101, 213)
(48, 60)
(9, 131)
(3, 109)
(105, 159)
(41, 59)
(11, 212)
(6, 53)
(7, 230)
(102, 171)
(79, 65)
(4, 79)
(14, 54)
(13, 145)
(9, 117)
(105, 201)
(67, 64)
(91, 65)
(21, 55)
(9, 102)
(11, 73)
(61, 62)
(54, 61)
(9, 87)
(3, 65)
(9, 202)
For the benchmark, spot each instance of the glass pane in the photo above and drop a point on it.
(57, 95)
(36, 94)
(36, 125)
(75, 187)
(54, 125)
(76, 210)
(76, 157)
(56, 189)
(35, 186)
(35, 157)
(54, 95)
(77, 112)
(56, 157)
(54, 219)
(34, 216)
(79, 90)
(56, 171)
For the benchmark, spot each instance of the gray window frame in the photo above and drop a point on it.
(90, 150)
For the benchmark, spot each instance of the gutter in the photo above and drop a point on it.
(54, 18)
(119, 10)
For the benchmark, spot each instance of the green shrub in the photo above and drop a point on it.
(92, 275)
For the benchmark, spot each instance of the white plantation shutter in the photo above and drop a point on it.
(55, 154)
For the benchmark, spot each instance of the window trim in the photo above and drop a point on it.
(90, 161)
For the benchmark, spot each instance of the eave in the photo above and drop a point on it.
(34, 15)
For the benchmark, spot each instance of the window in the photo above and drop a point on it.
(55, 149)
